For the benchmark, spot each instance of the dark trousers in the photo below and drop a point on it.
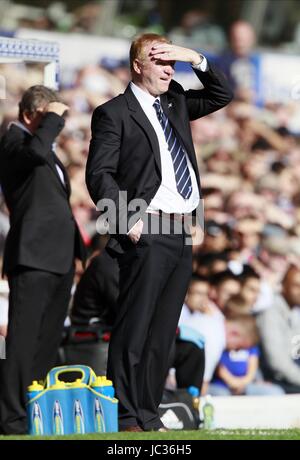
(189, 363)
(154, 276)
(38, 303)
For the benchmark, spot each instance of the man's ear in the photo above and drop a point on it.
(28, 117)
(137, 66)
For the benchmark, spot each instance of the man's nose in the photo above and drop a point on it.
(169, 70)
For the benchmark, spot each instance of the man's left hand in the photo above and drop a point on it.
(169, 52)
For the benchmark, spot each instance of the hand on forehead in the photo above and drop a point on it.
(161, 52)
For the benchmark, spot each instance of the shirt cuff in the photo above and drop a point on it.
(203, 66)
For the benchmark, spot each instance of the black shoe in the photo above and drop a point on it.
(132, 428)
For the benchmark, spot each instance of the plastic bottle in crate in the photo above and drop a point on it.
(35, 418)
(104, 386)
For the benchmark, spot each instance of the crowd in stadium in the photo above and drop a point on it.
(247, 269)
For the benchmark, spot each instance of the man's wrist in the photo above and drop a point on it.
(203, 65)
(196, 59)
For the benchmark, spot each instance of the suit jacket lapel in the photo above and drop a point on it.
(67, 186)
(137, 113)
(172, 111)
(51, 162)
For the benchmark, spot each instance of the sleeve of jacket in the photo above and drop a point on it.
(273, 341)
(103, 159)
(215, 94)
(35, 150)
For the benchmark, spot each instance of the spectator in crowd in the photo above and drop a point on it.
(248, 232)
(236, 372)
(216, 237)
(208, 263)
(196, 26)
(39, 252)
(273, 259)
(187, 360)
(239, 61)
(279, 329)
(206, 319)
(223, 285)
(95, 298)
(250, 286)
(237, 306)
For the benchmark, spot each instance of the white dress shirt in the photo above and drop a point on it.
(167, 197)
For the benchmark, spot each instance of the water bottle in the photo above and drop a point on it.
(208, 413)
(195, 394)
(104, 386)
(34, 389)
(34, 411)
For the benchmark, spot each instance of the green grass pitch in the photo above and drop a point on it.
(262, 434)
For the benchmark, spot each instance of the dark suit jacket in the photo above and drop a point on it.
(43, 233)
(124, 151)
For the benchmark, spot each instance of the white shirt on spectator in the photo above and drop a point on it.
(212, 327)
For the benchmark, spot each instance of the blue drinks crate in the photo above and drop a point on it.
(87, 405)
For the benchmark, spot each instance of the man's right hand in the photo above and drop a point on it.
(136, 231)
(57, 107)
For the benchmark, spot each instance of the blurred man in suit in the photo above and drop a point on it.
(41, 245)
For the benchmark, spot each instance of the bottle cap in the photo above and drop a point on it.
(59, 385)
(208, 399)
(77, 384)
(193, 391)
(97, 382)
(35, 386)
(101, 382)
(106, 382)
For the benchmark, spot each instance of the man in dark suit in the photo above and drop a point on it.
(142, 144)
(41, 245)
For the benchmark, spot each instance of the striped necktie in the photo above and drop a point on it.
(180, 165)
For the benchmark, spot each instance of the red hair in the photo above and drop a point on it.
(138, 44)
